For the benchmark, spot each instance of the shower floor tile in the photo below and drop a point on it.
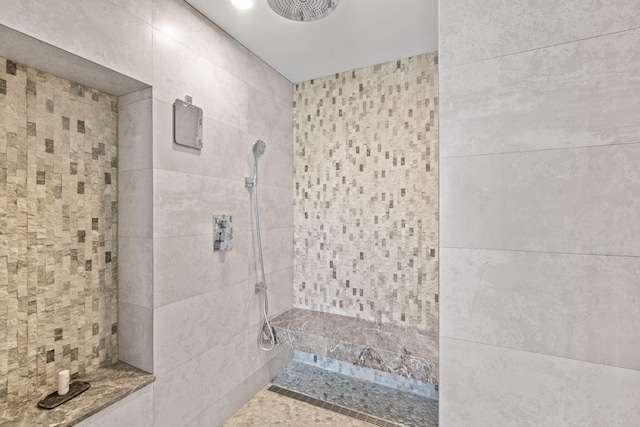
(269, 409)
(393, 405)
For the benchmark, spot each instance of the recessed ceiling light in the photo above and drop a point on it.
(242, 4)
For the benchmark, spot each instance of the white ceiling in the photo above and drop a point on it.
(357, 34)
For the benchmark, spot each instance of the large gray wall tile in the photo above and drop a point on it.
(187, 266)
(276, 206)
(184, 204)
(184, 392)
(226, 151)
(475, 30)
(571, 95)
(191, 327)
(492, 386)
(269, 120)
(575, 306)
(268, 81)
(139, 8)
(135, 133)
(581, 200)
(276, 165)
(135, 341)
(184, 24)
(179, 71)
(135, 203)
(280, 295)
(78, 27)
(220, 411)
(277, 247)
(135, 271)
(134, 410)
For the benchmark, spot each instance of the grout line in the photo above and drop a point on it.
(617, 144)
(555, 356)
(537, 48)
(541, 252)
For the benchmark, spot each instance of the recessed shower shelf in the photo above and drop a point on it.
(108, 386)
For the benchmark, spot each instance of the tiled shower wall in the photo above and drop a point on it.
(540, 194)
(58, 222)
(366, 192)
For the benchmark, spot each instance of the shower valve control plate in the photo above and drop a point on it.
(222, 233)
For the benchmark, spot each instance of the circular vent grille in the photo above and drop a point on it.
(303, 10)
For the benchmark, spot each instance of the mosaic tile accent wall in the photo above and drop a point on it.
(366, 193)
(58, 228)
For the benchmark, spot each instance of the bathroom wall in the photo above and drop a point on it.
(540, 194)
(366, 193)
(202, 317)
(58, 210)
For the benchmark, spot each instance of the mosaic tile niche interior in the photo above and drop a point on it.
(58, 228)
(366, 193)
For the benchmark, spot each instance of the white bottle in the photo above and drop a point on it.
(63, 382)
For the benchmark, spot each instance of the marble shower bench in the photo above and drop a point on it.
(405, 351)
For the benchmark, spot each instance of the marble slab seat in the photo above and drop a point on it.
(108, 386)
(406, 351)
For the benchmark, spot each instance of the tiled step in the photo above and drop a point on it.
(395, 406)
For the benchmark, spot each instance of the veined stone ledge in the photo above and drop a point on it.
(406, 351)
(108, 385)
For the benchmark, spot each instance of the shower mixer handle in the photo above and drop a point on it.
(250, 181)
(260, 287)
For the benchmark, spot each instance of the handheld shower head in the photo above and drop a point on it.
(259, 148)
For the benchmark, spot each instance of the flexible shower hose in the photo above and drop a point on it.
(266, 338)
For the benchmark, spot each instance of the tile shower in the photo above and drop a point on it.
(246, 100)
(58, 215)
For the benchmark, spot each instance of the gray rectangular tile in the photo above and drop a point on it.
(135, 271)
(187, 266)
(78, 27)
(492, 386)
(277, 247)
(224, 408)
(280, 285)
(178, 71)
(226, 151)
(184, 204)
(186, 391)
(135, 336)
(184, 24)
(268, 81)
(583, 200)
(139, 8)
(476, 30)
(133, 97)
(574, 306)
(134, 410)
(135, 203)
(188, 328)
(579, 94)
(270, 120)
(135, 134)
(276, 165)
(276, 206)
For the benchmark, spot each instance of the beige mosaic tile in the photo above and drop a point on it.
(366, 193)
(268, 409)
(58, 228)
